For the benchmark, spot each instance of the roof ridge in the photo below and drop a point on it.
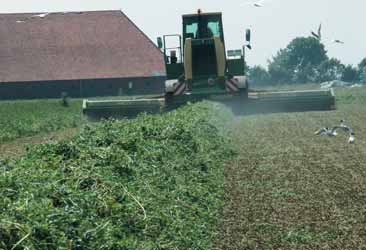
(59, 12)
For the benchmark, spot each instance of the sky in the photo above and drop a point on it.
(273, 26)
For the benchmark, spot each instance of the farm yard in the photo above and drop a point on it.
(195, 178)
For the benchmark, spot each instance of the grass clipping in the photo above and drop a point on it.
(155, 182)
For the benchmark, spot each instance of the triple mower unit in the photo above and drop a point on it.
(199, 69)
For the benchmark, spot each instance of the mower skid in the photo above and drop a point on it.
(97, 109)
(291, 101)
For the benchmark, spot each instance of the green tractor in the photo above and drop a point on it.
(199, 68)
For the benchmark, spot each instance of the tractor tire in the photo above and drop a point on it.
(244, 93)
(169, 101)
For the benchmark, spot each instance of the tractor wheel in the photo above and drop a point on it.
(244, 93)
(169, 101)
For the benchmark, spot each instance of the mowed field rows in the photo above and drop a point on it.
(290, 189)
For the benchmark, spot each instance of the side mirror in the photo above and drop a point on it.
(173, 57)
(247, 35)
(247, 38)
(160, 43)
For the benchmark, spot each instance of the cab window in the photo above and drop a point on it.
(191, 30)
(201, 27)
(214, 26)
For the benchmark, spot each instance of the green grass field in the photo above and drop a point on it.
(26, 118)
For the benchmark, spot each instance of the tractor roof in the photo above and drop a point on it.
(204, 14)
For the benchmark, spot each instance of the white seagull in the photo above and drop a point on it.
(43, 15)
(351, 139)
(333, 131)
(345, 128)
(326, 131)
(256, 3)
(337, 41)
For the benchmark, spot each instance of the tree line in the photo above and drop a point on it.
(305, 60)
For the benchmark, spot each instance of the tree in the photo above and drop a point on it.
(329, 70)
(350, 74)
(298, 61)
(304, 74)
(278, 69)
(362, 71)
(304, 51)
(362, 64)
(258, 75)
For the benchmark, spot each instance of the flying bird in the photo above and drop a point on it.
(256, 3)
(337, 41)
(317, 35)
(41, 15)
(345, 128)
(326, 131)
(351, 139)
(333, 131)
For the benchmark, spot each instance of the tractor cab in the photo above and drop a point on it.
(198, 55)
(198, 63)
(204, 49)
(203, 26)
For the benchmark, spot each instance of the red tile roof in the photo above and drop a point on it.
(75, 45)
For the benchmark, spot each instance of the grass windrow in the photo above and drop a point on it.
(155, 182)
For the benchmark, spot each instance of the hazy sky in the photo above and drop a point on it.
(273, 26)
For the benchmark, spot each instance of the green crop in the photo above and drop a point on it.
(26, 118)
(155, 182)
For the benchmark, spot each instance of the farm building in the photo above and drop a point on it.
(85, 54)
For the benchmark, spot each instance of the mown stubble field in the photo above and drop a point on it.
(290, 189)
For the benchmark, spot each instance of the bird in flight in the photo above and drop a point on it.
(337, 41)
(345, 128)
(333, 131)
(351, 139)
(317, 35)
(41, 15)
(256, 3)
(327, 131)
